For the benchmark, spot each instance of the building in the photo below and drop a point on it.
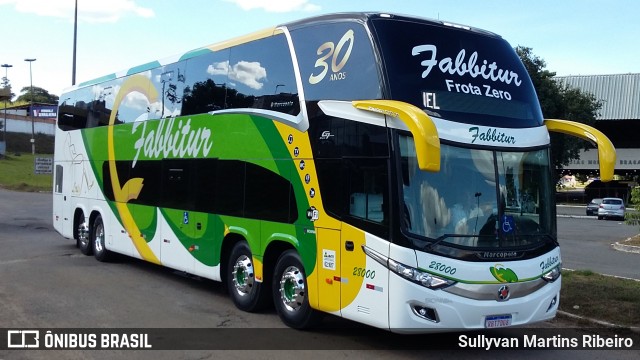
(19, 119)
(619, 119)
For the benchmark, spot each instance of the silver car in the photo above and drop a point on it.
(611, 208)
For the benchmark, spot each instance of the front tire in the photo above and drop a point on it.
(247, 293)
(98, 240)
(290, 293)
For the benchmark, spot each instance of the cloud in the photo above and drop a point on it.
(89, 11)
(219, 68)
(276, 5)
(245, 72)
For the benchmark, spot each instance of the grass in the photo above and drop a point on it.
(17, 173)
(605, 298)
(634, 241)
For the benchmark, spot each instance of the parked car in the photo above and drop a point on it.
(611, 208)
(593, 205)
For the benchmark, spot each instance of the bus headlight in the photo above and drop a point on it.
(407, 272)
(553, 274)
(417, 276)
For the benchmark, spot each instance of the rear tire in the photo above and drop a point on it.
(98, 240)
(247, 293)
(290, 293)
(83, 240)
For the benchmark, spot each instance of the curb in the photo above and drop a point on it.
(626, 248)
(597, 322)
(594, 321)
(577, 216)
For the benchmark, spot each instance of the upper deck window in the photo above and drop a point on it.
(337, 62)
(457, 74)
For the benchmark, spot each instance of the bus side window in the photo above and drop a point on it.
(367, 182)
(261, 76)
(169, 81)
(58, 179)
(205, 83)
(66, 109)
(134, 106)
(268, 196)
(176, 184)
(230, 187)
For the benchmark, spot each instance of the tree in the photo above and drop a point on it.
(633, 217)
(560, 102)
(40, 95)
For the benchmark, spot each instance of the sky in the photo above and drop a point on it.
(574, 37)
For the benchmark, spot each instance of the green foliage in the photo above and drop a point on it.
(560, 102)
(633, 217)
(39, 95)
(21, 143)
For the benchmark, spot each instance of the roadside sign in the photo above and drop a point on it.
(44, 166)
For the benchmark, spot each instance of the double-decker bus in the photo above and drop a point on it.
(391, 170)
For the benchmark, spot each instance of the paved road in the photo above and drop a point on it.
(587, 243)
(46, 283)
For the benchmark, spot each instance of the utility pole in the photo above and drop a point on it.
(6, 85)
(75, 41)
(33, 138)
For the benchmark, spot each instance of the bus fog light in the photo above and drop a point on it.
(425, 313)
(553, 303)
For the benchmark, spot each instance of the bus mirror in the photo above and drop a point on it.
(606, 150)
(424, 131)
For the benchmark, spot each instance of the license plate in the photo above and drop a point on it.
(497, 321)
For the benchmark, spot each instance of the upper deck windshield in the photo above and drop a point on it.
(480, 198)
(456, 74)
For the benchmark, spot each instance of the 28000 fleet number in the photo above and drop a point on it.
(442, 268)
(361, 272)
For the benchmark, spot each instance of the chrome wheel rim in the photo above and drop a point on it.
(243, 277)
(83, 234)
(99, 240)
(292, 292)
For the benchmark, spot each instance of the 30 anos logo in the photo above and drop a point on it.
(338, 59)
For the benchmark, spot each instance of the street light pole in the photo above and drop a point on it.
(75, 41)
(5, 83)
(33, 138)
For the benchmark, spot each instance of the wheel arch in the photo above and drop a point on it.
(271, 255)
(228, 243)
(93, 216)
(78, 218)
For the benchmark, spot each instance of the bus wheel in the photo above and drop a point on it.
(247, 293)
(84, 241)
(290, 292)
(97, 239)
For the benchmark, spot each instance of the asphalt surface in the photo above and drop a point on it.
(46, 283)
(588, 243)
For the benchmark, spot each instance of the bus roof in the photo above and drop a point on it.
(366, 16)
(311, 21)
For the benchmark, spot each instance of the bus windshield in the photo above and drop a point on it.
(479, 199)
(456, 74)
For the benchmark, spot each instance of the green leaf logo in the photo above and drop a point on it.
(503, 274)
